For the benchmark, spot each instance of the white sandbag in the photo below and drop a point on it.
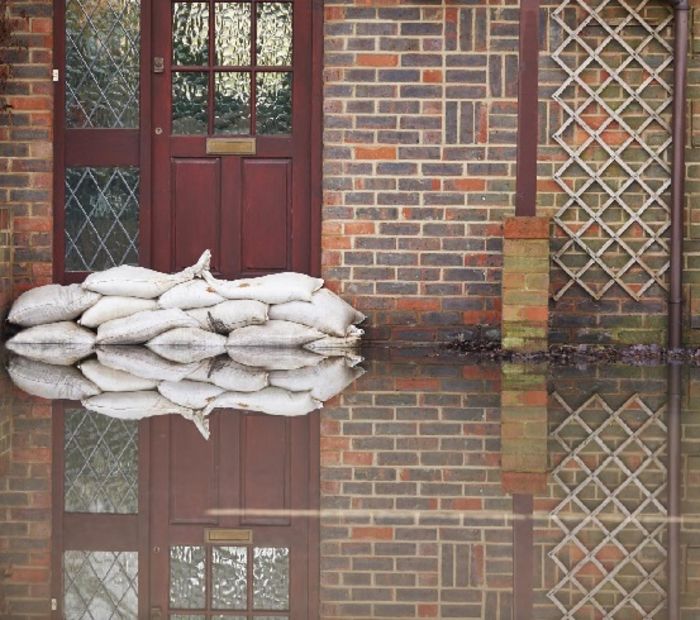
(234, 377)
(323, 381)
(271, 400)
(202, 368)
(229, 315)
(274, 359)
(326, 312)
(200, 421)
(332, 343)
(63, 333)
(273, 334)
(188, 295)
(189, 394)
(112, 380)
(50, 304)
(143, 363)
(185, 355)
(276, 288)
(56, 354)
(49, 381)
(132, 281)
(142, 326)
(114, 307)
(190, 337)
(133, 405)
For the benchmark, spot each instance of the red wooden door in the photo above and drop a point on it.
(231, 135)
(230, 534)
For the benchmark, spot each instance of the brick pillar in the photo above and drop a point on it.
(5, 263)
(524, 429)
(525, 289)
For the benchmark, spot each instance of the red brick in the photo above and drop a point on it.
(526, 227)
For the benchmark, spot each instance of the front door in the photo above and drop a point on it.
(231, 135)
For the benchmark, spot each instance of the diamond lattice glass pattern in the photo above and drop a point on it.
(99, 585)
(274, 34)
(271, 578)
(101, 463)
(187, 577)
(102, 63)
(101, 218)
(229, 577)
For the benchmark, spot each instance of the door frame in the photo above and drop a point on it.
(145, 158)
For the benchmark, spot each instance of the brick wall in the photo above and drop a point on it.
(26, 153)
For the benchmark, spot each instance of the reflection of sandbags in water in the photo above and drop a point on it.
(49, 381)
(63, 333)
(142, 362)
(190, 394)
(114, 307)
(273, 334)
(133, 405)
(326, 312)
(234, 377)
(274, 359)
(332, 343)
(229, 315)
(141, 282)
(50, 304)
(271, 400)
(142, 326)
(276, 288)
(187, 344)
(112, 380)
(323, 381)
(57, 354)
(188, 295)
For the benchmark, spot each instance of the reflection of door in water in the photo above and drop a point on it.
(231, 135)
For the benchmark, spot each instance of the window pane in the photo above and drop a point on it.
(101, 218)
(187, 579)
(274, 35)
(271, 578)
(274, 103)
(102, 63)
(233, 33)
(190, 98)
(100, 584)
(190, 33)
(232, 102)
(101, 463)
(230, 577)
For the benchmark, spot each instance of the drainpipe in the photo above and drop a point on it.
(675, 300)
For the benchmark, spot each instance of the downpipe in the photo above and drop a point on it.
(675, 298)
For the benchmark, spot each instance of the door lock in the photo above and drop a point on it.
(158, 64)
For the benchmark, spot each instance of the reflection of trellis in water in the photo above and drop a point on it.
(616, 101)
(611, 559)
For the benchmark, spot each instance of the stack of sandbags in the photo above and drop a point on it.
(187, 310)
(133, 382)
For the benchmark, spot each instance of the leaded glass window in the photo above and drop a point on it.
(101, 463)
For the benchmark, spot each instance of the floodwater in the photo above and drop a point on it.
(429, 487)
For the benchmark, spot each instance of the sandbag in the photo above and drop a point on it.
(132, 281)
(273, 359)
(192, 294)
(273, 334)
(112, 380)
(189, 394)
(63, 333)
(229, 315)
(114, 307)
(49, 381)
(323, 381)
(142, 326)
(51, 304)
(276, 288)
(234, 377)
(133, 405)
(332, 343)
(271, 400)
(326, 312)
(143, 363)
(186, 345)
(56, 354)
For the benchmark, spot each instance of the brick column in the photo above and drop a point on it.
(525, 289)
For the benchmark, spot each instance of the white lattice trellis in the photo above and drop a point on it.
(615, 132)
(612, 476)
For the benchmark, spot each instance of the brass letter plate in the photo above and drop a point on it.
(228, 536)
(230, 146)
